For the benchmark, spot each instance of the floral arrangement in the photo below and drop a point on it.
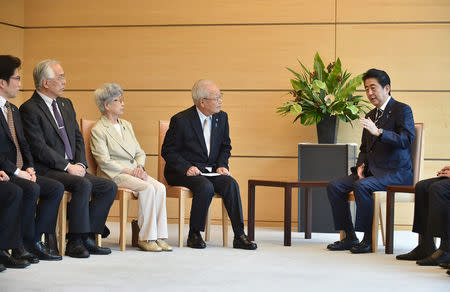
(325, 91)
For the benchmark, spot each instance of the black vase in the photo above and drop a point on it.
(327, 130)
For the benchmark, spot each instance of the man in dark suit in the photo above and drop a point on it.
(17, 162)
(384, 159)
(57, 146)
(10, 227)
(198, 143)
(432, 219)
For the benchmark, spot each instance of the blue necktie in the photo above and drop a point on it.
(62, 130)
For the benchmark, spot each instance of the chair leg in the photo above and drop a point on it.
(181, 203)
(62, 224)
(224, 225)
(123, 221)
(376, 216)
(208, 225)
(383, 232)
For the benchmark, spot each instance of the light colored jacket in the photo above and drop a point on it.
(112, 152)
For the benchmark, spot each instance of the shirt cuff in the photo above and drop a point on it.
(84, 166)
(16, 173)
(67, 166)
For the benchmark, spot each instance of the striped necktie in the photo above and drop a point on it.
(207, 134)
(12, 129)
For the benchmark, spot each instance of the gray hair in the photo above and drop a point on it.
(199, 90)
(106, 94)
(43, 71)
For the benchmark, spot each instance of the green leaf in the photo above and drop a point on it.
(296, 109)
(317, 85)
(319, 67)
(353, 109)
(335, 72)
(350, 87)
(295, 84)
(295, 73)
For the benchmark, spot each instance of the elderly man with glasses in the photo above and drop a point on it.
(196, 148)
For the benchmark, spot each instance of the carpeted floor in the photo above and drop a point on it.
(305, 266)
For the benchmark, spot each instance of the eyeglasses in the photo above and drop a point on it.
(15, 77)
(217, 97)
(60, 77)
(119, 99)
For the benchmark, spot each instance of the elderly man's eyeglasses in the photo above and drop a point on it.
(60, 78)
(15, 78)
(217, 97)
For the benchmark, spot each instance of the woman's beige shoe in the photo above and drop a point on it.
(149, 245)
(163, 245)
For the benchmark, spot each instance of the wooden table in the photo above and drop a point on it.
(390, 204)
(287, 185)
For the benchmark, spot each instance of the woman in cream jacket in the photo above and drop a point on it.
(121, 159)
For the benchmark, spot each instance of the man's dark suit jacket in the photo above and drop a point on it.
(41, 130)
(389, 156)
(184, 145)
(8, 153)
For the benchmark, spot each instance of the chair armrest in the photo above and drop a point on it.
(400, 189)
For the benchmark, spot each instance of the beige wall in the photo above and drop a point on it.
(156, 49)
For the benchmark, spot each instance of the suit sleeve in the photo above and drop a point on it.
(403, 135)
(225, 147)
(362, 156)
(100, 152)
(171, 148)
(35, 136)
(7, 165)
(24, 147)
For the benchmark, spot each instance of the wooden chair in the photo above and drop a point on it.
(379, 198)
(123, 195)
(181, 193)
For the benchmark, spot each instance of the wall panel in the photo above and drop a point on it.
(153, 12)
(249, 57)
(392, 11)
(12, 40)
(413, 54)
(12, 12)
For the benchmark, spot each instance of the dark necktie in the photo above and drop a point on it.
(62, 130)
(12, 129)
(379, 115)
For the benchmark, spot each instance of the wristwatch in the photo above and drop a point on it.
(380, 131)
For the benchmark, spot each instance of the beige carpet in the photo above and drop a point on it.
(306, 265)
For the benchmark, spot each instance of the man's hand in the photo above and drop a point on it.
(32, 173)
(445, 172)
(223, 171)
(76, 169)
(360, 171)
(193, 171)
(370, 126)
(3, 176)
(24, 175)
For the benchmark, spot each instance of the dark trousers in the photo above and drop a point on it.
(38, 218)
(432, 207)
(87, 216)
(10, 215)
(338, 191)
(203, 189)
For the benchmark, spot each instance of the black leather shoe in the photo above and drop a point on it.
(445, 265)
(195, 240)
(244, 243)
(448, 272)
(439, 256)
(419, 253)
(51, 243)
(9, 262)
(2, 268)
(22, 254)
(105, 232)
(93, 248)
(76, 249)
(344, 244)
(362, 247)
(43, 253)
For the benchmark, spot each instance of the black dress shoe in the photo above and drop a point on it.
(445, 265)
(93, 248)
(419, 253)
(8, 261)
(2, 268)
(22, 254)
(439, 256)
(43, 253)
(244, 243)
(195, 240)
(76, 249)
(105, 232)
(51, 244)
(344, 244)
(363, 247)
(448, 272)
